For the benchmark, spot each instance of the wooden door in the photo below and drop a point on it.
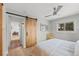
(31, 32)
(0, 29)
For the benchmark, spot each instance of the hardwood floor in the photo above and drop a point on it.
(33, 51)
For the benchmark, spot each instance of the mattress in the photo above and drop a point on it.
(58, 47)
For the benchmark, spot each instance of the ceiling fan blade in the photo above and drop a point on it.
(48, 15)
(57, 9)
(54, 13)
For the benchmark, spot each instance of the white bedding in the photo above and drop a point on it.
(58, 47)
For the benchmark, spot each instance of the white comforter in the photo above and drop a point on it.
(58, 47)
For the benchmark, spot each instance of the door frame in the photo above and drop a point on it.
(1, 28)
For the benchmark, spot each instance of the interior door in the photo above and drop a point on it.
(31, 32)
(0, 29)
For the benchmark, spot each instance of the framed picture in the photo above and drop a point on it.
(43, 27)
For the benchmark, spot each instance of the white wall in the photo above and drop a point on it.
(41, 35)
(72, 36)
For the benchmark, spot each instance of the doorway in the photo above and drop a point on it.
(17, 37)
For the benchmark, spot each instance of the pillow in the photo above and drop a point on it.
(76, 52)
(50, 36)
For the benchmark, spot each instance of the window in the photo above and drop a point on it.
(69, 26)
(61, 27)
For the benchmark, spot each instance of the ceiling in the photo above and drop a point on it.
(43, 9)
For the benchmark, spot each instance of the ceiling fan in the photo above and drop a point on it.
(55, 10)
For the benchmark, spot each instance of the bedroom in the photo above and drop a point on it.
(51, 27)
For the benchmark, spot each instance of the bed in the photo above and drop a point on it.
(52, 47)
(58, 47)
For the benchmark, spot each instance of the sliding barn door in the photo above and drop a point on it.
(31, 32)
(0, 29)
